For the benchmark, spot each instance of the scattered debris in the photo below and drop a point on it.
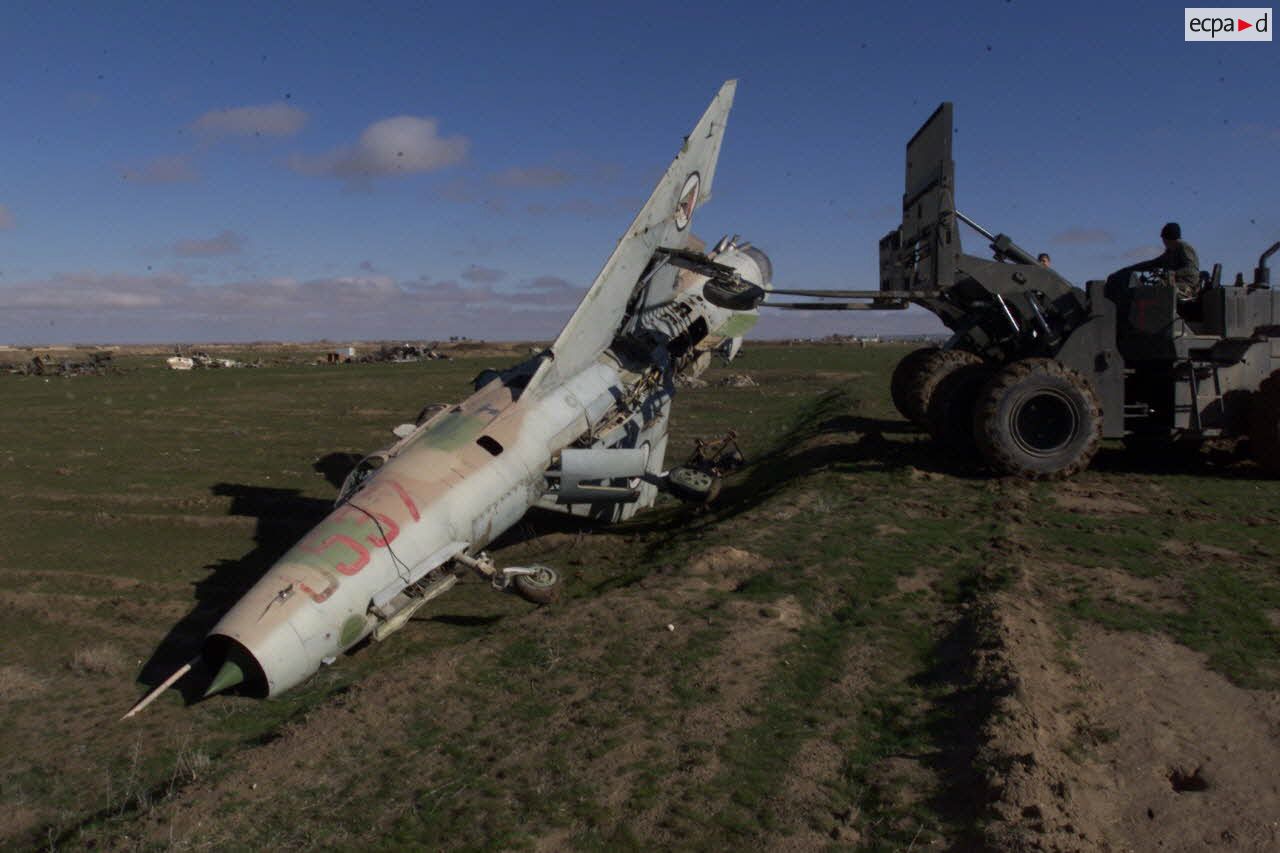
(403, 353)
(699, 479)
(204, 360)
(718, 457)
(387, 353)
(98, 364)
(738, 380)
(339, 356)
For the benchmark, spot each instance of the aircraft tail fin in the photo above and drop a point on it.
(665, 218)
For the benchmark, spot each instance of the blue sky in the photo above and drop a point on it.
(229, 172)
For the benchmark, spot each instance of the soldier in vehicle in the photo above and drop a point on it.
(1178, 258)
(1043, 259)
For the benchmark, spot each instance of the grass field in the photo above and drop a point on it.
(866, 643)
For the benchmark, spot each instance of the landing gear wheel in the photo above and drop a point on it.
(949, 417)
(541, 587)
(693, 485)
(906, 376)
(1264, 424)
(919, 381)
(1037, 419)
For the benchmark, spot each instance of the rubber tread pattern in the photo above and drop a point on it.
(993, 433)
(916, 381)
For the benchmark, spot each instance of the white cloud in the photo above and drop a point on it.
(96, 307)
(402, 145)
(223, 243)
(162, 170)
(278, 119)
(91, 292)
(6, 218)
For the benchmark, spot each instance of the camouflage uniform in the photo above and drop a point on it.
(1180, 259)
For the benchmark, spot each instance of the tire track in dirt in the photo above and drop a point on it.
(1118, 740)
(1033, 787)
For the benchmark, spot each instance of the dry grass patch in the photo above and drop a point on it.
(1097, 499)
(100, 659)
(17, 682)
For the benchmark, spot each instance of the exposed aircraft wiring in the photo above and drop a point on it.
(402, 568)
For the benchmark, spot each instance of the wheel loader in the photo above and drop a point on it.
(1038, 371)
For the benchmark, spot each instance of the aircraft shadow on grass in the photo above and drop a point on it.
(873, 444)
(283, 517)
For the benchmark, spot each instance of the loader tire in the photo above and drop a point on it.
(1264, 424)
(906, 376)
(918, 375)
(1038, 419)
(543, 587)
(949, 417)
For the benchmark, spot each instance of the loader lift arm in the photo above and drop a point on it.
(1001, 308)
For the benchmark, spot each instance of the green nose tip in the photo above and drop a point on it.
(229, 676)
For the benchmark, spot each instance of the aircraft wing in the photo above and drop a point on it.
(664, 220)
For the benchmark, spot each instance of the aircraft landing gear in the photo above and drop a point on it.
(539, 584)
(542, 585)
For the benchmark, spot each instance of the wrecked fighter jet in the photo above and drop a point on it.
(580, 428)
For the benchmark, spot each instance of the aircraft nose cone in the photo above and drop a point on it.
(229, 676)
(234, 664)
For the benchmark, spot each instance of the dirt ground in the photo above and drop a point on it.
(1120, 740)
(1131, 743)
